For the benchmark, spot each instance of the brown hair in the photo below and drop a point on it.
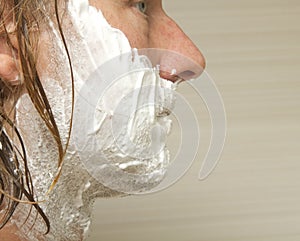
(15, 184)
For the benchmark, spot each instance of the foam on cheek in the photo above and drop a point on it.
(100, 41)
(124, 147)
(136, 142)
(92, 42)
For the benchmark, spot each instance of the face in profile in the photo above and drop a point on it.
(72, 58)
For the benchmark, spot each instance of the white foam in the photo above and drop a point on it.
(92, 42)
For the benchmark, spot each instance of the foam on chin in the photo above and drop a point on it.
(91, 42)
(102, 46)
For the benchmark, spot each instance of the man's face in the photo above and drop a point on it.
(94, 38)
(146, 25)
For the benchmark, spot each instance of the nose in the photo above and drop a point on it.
(182, 59)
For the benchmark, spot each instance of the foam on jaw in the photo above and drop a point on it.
(121, 148)
(92, 43)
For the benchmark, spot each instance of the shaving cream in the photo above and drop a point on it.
(118, 139)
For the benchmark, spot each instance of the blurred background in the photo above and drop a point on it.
(252, 49)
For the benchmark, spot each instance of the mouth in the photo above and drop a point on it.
(166, 96)
(164, 112)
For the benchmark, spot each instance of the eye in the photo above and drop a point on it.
(141, 6)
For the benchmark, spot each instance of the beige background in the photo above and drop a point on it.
(253, 53)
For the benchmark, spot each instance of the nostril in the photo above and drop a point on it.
(173, 65)
(186, 75)
(168, 76)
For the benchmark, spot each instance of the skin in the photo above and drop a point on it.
(8, 233)
(144, 29)
(151, 28)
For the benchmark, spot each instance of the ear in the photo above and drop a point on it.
(9, 71)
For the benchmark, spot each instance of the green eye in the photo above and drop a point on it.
(141, 6)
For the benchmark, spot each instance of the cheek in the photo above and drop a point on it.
(138, 36)
(128, 20)
(136, 30)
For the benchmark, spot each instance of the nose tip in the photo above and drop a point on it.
(181, 58)
(175, 66)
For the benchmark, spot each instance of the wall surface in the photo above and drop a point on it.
(252, 49)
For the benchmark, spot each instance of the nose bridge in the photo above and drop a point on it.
(189, 62)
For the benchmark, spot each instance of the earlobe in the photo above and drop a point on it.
(9, 71)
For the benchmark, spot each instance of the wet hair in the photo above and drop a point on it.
(15, 182)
